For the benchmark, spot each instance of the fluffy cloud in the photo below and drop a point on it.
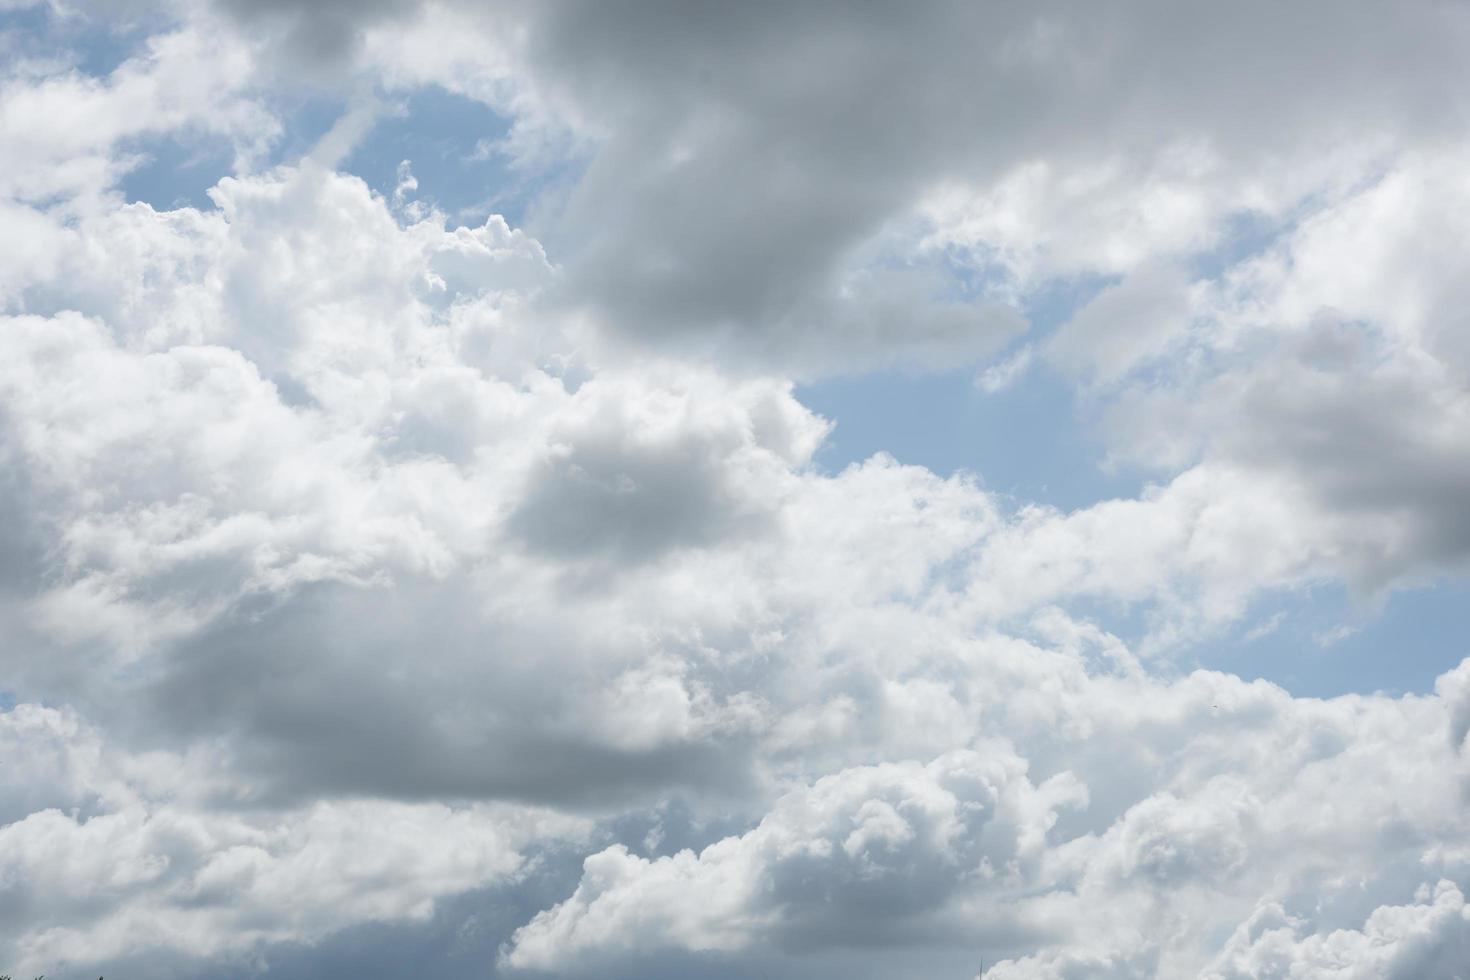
(66, 132)
(355, 559)
(808, 139)
(1345, 388)
(250, 545)
(968, 850)
(122, 852)
(905, 102)
(862, 852)
(1429, 939)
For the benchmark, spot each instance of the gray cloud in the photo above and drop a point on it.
(1372, 435)
(315, 38)
(750, 151)
(341, 692)
(856, 859)
(741, 162)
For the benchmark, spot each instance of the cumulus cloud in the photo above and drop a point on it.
(1354, 394)
(970, 849)
(760, 158)
(719, 106)
(66, 132)
(854, 858)
(355, 559)
(1430, 939)
(121, 852)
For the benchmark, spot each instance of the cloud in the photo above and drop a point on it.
(313, 39)
(1004, 375)
(1355, 394)
(347, 560)
(854, 858)
(1429, 939)
(1123, 324)
(68, 132)
(354, 560)
(758, 157)
(971, 849)
(142, 858)
(628, 476)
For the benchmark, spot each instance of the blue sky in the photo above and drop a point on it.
(725, 491)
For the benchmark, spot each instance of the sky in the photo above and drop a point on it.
(640, 489)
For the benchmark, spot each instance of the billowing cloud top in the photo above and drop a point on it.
(455, 575)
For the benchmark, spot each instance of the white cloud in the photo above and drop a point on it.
(1429, 939)
(999, 377)
(353, 559)
(146, 853)
(65, 131)
(863, 850)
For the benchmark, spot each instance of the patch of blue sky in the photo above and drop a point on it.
(1026, 441)
(1126, 620)
(176, 170)
(304, 120)
(451, 144)
(1317, 642)
(1323, 642)
(1032, 441)
(92, 45)
(449, 140)
(1029, 439)
(1246, 234)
